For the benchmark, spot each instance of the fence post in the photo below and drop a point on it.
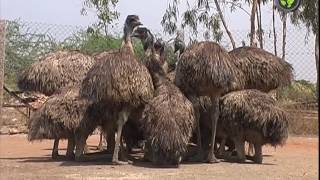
(2, 56)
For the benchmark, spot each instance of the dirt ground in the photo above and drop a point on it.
(19, 159)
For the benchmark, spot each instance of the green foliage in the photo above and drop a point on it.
(170, 57)
(23, 48)
(307, 14)
(91, 42)
(105, 11)
(298, 91)
(199, 14)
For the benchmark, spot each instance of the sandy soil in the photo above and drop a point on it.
(19, 159)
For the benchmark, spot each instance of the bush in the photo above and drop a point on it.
(298, 91)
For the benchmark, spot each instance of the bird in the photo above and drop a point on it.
(168, 119)
(207, 69)
(121, 81)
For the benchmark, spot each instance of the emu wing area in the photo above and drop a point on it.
(118, 79)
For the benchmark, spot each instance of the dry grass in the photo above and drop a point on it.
(303, 121)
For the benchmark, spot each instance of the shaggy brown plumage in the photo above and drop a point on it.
(205, 69)
(168, 119)
(66, 116)
(260, 69)
(119, 80)
(251, 115)
(54, 71)
(168, 122)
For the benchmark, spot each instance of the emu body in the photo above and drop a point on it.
(119, 80)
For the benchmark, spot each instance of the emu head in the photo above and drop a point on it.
(159, 46)
(145, 36)
(132, 21)
(179, 44)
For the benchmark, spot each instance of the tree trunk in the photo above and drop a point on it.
(225, 24)
(253, 19)
(284, 35)
(2, 56)
(317, 62)
(260, 25)
(274, 30)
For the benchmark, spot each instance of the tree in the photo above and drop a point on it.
(274, 29)
(252, 22)
(105, 10)
(284, 33)
(199, 14)
(23, 48)
(308, 14)
(224, 23)
(2, 56)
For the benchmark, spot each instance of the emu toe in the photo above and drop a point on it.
(211, 159)
(119, 162)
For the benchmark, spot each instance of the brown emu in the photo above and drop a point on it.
(168, 119)
(119, 80)
(55, 71)
(252, 116)
(66, 116)
(206, 69)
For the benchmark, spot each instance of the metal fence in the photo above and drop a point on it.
(26, 41)
(299, 47)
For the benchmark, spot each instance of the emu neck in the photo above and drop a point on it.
(155, 68)
(126, 40)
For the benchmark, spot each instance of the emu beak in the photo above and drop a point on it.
(135, 34)
(137, 23)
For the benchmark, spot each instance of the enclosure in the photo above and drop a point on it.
(291, 36)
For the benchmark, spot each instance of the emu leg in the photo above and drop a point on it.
(86, 149)
(70, 149)
(123, 151)
(80, 144)
(123, 117)
(102, 140)
(250, 149)
(214, 115)
(240, 149)
(110, 141)
(100, 146)
(55, 153)
(257, 158)
(221, 150)
(196, 107)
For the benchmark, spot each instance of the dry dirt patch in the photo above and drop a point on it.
(20, 159)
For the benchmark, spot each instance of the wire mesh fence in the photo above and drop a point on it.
(27, 41)
(36, 39)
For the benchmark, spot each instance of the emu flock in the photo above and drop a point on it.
(212, 100)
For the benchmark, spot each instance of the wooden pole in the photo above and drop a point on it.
(2, 56)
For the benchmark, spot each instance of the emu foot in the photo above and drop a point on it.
(70, 156)
(123, 157)
(211, 159)
(56, 156)
(257, 160)
(233, 158)
(119, 162)
(220, 155)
